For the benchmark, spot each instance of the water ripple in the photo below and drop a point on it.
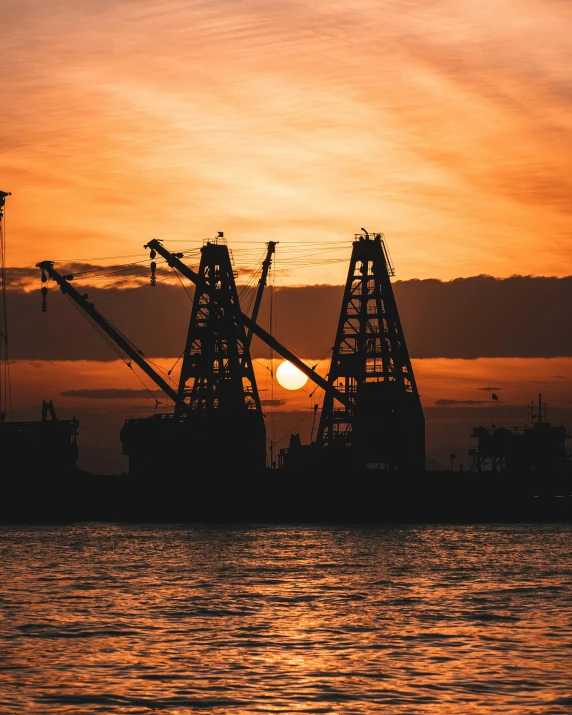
(103, 618)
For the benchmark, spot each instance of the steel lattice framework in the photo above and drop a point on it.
(217, 372)
(384, 427)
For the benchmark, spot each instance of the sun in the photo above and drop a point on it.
(290, 377)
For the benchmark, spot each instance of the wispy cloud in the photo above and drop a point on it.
(113, 393)
(436, 123)
(472, 403)
(466, 318)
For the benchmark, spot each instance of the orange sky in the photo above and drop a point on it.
(516, 380)
(445, 125)
(454, 395)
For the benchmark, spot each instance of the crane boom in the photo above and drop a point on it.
(174, 262)
(261, 284)
(90, 310)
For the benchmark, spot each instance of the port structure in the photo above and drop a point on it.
(174, 261)
(218, 417)
(538, 448)
(217, 421)
(382, 425)
(371, 414)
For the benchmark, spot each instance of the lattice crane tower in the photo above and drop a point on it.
(385, 426)
(217, 383)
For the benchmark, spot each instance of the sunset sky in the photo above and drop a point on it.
(446, 125)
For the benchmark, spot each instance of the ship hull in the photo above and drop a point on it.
(281, 496)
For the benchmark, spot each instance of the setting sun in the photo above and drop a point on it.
(289, 377)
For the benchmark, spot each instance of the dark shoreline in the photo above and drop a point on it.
(279, 496)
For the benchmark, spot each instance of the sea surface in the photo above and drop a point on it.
(105, 618)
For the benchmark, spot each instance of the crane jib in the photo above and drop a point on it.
(174, 262)
(47, 267)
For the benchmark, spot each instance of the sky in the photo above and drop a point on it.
(445, 125)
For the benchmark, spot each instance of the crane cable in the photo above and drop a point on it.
(114, 347)
(291, 430)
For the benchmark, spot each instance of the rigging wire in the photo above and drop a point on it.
(112, 258)
(175, 363)
(292, 429)
(189, 294)
(248, 290)
(114, 347)
(100, 332)
(116, 293)
(160, 368)
(296, 256)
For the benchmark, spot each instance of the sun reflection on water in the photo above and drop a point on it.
(131, 619)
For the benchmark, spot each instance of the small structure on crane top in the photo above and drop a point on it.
(381, 425)
(539, 448)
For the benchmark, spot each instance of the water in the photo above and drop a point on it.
(102, 618)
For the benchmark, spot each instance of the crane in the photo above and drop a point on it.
(271, 247)
(47, 268)
(174, 261)
(217, 420)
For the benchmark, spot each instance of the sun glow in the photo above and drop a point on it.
(290, 377)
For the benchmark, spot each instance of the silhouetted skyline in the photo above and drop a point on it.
(440, 126)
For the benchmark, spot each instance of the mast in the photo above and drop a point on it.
(5, 397)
